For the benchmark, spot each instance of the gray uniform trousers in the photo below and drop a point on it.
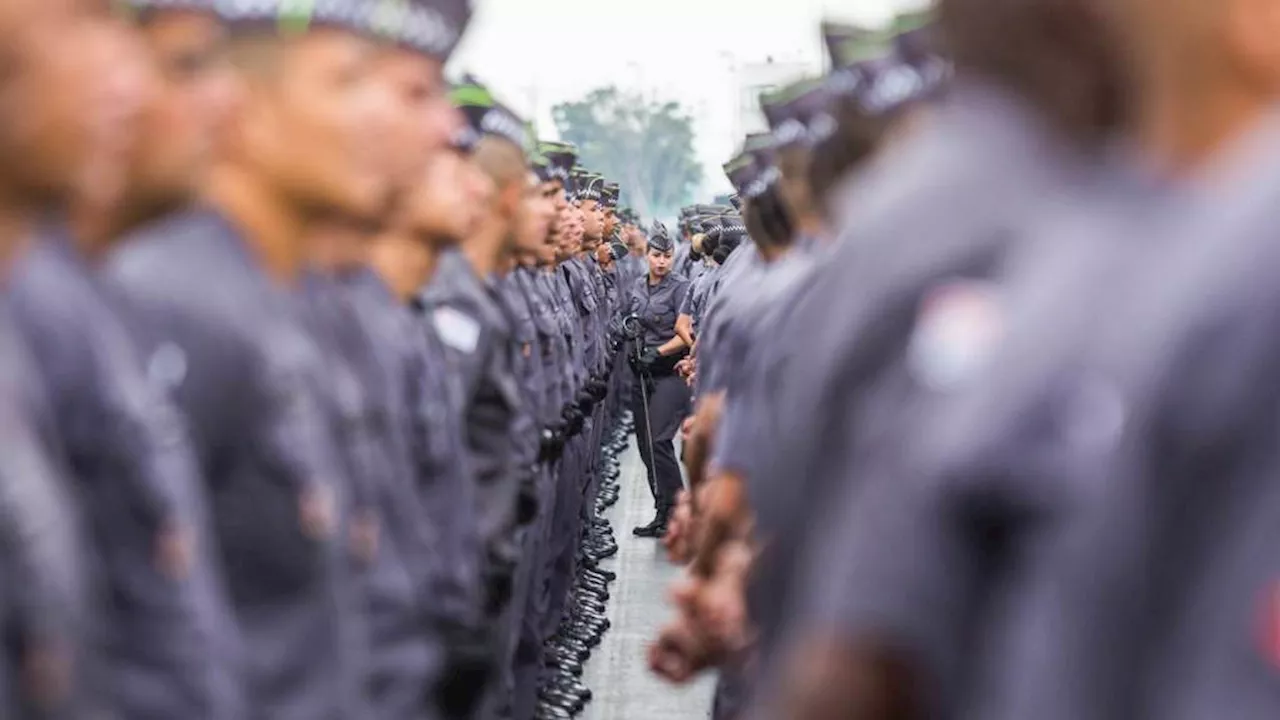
(533, 598)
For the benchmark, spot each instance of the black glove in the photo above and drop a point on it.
(639, 361)
(552, 443)
(584, 401)
(469, 665)
(527, 503)
(649, 358)
(598, 389)
(499, 584)
(573, 419)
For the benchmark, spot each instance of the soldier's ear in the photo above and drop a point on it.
(1253, 28)
(510, 197)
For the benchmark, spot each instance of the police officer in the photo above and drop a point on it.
(44, 151)
(46, 603)
(163, 651)
(534, 667)
(463, 303)
(530, 234)
(1120, 478)
(689, 257)
(971, 266)
(373, 348)
(660, 398)
(218, 290)
(583, 279)
(441, 209)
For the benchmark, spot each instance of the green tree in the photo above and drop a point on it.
(645, 146)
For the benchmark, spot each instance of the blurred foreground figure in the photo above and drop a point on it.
(922, 217)
(47, 156)
(1063, 508)
(167, 639)
(220, 293)
(461, 302)
(372, 345)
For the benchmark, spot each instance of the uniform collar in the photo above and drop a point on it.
(663, 281)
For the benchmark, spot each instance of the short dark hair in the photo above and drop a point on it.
(793, 187)
(1059, 55)
(858, 134)
(768, 219)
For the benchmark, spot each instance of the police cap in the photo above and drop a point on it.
(486, 116)
(660, 238)
(432, 27)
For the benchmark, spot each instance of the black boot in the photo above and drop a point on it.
(655, 529)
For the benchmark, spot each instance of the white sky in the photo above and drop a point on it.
(536, 53)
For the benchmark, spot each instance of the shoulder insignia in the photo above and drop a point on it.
(958, 327)
(1269, 625)
(167, 367)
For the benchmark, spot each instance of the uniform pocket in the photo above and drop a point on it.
(266, 555)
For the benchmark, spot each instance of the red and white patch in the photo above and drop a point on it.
(1269, 625)
(959, 325)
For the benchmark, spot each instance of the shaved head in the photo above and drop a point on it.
(1060, 55)
(502, 161)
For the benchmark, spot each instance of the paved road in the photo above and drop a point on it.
(616, 673)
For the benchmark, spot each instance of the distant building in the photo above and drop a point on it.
(756, 78)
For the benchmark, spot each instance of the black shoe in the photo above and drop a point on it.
(650, 530)
(604, 554)
(591, 640)
(566, 703)
(577, 649)
(574, 690)
(655, 529)
(552, 712)
(567, 666)
(607, 575)
(597, 586)
(587, 624)
(590, 608)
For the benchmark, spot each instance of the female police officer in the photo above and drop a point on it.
(661, 398)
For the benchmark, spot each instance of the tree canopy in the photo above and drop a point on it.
(647, 146)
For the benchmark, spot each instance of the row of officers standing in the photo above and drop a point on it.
(313, 372)
(986, 409)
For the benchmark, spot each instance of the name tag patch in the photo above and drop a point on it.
(457, 329)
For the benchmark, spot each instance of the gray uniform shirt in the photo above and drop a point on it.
(253, 385)
(404, 656)
(528, 365)
(130, 451)
(553, 350)
(748, 350)
(857, 315)
(657, 306)
(694, 304)
(1182, 623)
(43, 554)
(566, 316)
(479, 340)
(439, 446)
(730, 289)
(589, 322)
